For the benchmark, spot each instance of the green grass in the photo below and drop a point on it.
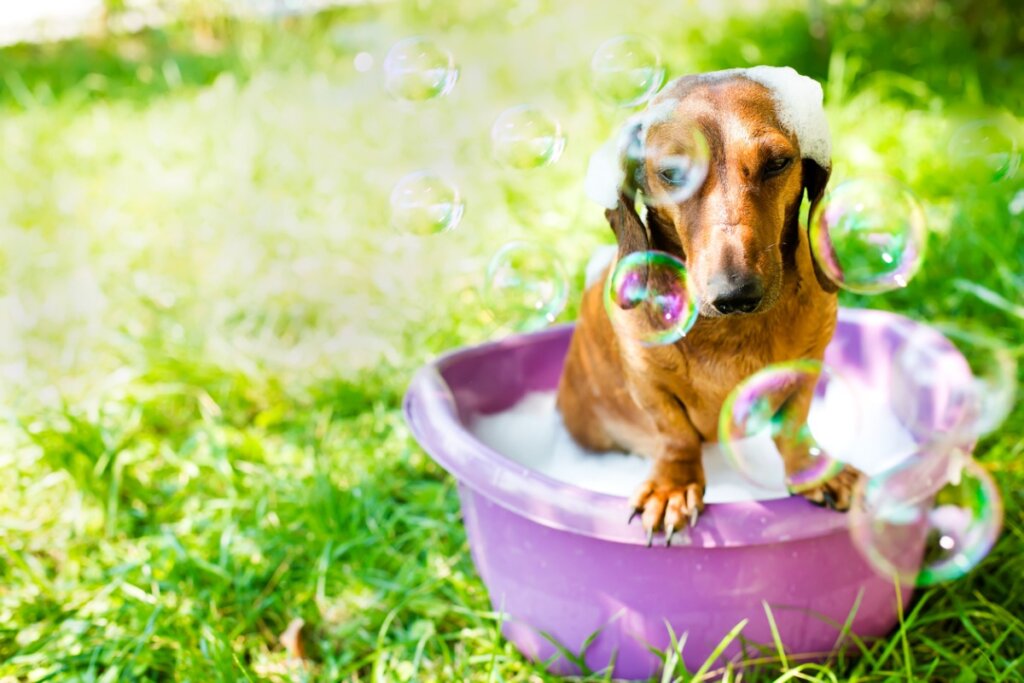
(206, 325)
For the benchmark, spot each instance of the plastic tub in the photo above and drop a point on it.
(562, 564)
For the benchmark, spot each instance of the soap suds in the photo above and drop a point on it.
(532, 433)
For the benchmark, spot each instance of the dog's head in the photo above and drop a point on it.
(738, 232)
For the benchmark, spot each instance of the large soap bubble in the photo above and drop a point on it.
(417, 69)
(525, 137)
(626, 70)
(654, 285)
(425, 203)
(774, 404)
(526, 285)
(869, 235)
(923, 532)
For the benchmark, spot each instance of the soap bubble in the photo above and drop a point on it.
(671, 176)
(417, 69)
(774, 403)
(527, 137)
(925, 532)
(986, 149)
(869, 235)
(526, 282)
(424, 203)
(656, 286)
(626, 70)
(959, 388)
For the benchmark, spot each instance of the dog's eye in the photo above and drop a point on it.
(777, 166)
(673, 175)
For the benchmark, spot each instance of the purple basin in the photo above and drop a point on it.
(562, 564)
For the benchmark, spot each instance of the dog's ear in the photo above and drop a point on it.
(815, 179)
(630, 231)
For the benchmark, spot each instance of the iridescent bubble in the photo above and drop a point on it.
(526, 137)
(417, 69)
(869, 235)
(923, 531)
(425, 203)
(774, 404)
(626, 70)
(655, 288)
(986, 149)
(956, 389)
(526, 285)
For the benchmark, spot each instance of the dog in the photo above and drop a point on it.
(762, 298)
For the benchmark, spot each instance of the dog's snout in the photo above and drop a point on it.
(731, 296)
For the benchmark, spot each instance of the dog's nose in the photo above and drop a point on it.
(742, 297)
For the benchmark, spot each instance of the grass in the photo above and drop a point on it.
(206, 327)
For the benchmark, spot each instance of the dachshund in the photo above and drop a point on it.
(762, 298)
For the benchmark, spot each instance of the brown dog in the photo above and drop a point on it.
(762, 299)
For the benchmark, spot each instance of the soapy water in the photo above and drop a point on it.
(425, 203)
(525, 137)
(651, 290)
(417, 69)
(532, 433)
(626, 70)
(869, 235)
(774, 403)
(925, 526)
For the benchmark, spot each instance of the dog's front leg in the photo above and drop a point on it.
(802, 460)
(673, 495)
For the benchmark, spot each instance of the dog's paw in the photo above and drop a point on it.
(667, 504)
(835, 493)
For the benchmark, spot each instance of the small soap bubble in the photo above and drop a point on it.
(525, 137)
(626, 70)
(425, 203)
(526, 286)
(655, 288)
(923, 531)
(418, 69)
(774, 404)
(986, 149)
(954, 388)
(869, 235)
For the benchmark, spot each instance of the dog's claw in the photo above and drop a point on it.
(650, 537)
(669, 533)
(830, 499)
(694, 513)
(636, 513)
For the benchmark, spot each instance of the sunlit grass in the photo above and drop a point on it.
(206, 325)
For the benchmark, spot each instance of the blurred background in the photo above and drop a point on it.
(207, 315)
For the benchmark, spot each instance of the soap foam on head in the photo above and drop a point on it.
(798, 105)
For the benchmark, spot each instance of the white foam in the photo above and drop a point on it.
(799, 104)
(604, 176)
(532, 433)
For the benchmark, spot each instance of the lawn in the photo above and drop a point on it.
(206, 324)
